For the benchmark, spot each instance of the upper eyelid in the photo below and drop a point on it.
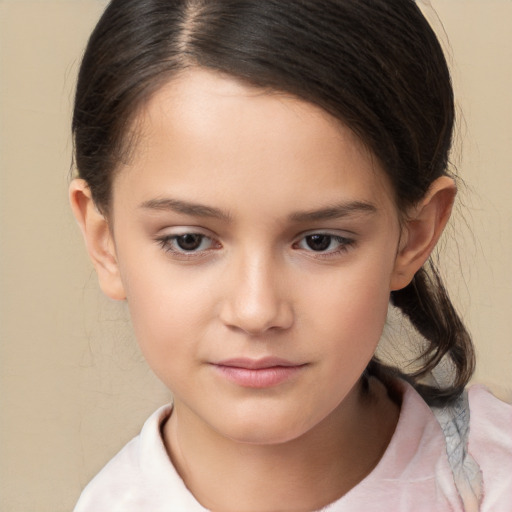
(174, 236)
(336, 233)
(176, 231)
(196, 230)
(338, 237)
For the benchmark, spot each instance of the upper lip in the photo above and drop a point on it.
(256, 364)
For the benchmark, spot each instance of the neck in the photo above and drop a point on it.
(303, 474)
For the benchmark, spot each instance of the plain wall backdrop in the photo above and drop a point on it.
(73, 386)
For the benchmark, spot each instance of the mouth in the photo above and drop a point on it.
(258, 373)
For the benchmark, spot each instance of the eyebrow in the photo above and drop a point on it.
(336, 211)
(200, 210)
(186, 208)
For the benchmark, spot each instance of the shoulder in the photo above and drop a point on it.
(490, 417)
(490, 443)
(140, 477)
(414, 472)
(110, 487)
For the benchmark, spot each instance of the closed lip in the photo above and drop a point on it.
(266, 372)
(258, 364)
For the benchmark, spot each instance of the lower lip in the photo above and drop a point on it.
(259, 378)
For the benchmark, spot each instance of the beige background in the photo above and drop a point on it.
(73, 386)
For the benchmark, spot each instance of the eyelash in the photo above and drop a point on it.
(169, 244)
(344, 244)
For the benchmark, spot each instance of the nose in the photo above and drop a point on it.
(258, 298)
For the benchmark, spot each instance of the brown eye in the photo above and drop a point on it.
(189, 241)
(187, 244)
(324, 245)
(319, 242)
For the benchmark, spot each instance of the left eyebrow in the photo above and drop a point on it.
(336, 211)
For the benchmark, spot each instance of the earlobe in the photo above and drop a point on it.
(422, 230)
(98, 239)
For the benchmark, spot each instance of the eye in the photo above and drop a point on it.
(324, 243)
(187, 243)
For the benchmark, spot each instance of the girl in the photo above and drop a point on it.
(259, 180)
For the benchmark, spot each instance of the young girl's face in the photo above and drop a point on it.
(256, 242)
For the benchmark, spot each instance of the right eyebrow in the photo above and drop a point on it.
(186, 208)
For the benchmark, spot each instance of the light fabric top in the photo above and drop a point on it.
(413, 474)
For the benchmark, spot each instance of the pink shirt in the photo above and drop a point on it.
(413, 474)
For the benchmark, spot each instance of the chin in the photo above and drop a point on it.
(258, 437)
(264, 428)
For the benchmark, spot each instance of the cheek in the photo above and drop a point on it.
(345, 316)
(353, 298)
(353, 329)
(350, 312)
(170, 311)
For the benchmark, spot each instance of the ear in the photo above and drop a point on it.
(98, 239)
(422, 230)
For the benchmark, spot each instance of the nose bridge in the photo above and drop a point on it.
(257, 298)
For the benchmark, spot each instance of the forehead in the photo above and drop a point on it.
(205, 133)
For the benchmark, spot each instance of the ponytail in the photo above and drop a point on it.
(425, 302)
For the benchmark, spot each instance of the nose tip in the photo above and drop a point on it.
(257, 303)
(255, 319)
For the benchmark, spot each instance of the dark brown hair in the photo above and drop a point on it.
(374, 64)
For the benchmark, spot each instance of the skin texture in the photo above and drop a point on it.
(255, 174)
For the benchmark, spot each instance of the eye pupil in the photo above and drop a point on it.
(189, 242)
(318, 242)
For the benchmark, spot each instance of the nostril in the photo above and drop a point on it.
(258, 320)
